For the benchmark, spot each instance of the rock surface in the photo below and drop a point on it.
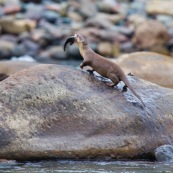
(102, 20)
(150, 33)
(6, 49)
(51, 111)
(164, 153)
(155, 7)
(150, 66)
(87, 8)
(13, 26)
(8, 68)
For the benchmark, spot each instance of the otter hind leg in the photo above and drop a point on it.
(114, 80)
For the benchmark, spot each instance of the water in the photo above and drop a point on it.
(87, 167)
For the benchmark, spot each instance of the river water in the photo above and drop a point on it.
(87, 167)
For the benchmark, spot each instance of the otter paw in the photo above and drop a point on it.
(90, 71)
(110, 84)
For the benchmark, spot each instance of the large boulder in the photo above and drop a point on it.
(8, 68)
(149, 34)
(51, 111)
(154, 67)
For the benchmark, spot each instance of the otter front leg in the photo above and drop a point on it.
(83, 64)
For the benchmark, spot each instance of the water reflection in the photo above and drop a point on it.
(86, 167)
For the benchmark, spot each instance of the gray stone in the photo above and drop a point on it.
(103, 20)
(164, 153)
(50, 16)
(34, 11)
(54, 52)
(87, 8)
(127, 47)
(6, 49)
(107, 35)
(26, 47)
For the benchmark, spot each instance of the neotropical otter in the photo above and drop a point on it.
(101, 65)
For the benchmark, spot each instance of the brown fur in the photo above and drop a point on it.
(101, 65)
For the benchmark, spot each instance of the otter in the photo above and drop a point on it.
(100, 64)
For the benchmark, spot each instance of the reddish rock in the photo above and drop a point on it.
(149, 34)
(8, 68)
(153, 67)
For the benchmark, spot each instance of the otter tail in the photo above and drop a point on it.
(125, 80)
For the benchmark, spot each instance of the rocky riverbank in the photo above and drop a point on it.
(51, 111)
(39, 28)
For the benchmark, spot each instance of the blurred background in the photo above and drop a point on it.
(35, 30)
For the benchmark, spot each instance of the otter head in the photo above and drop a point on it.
(77, 38)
